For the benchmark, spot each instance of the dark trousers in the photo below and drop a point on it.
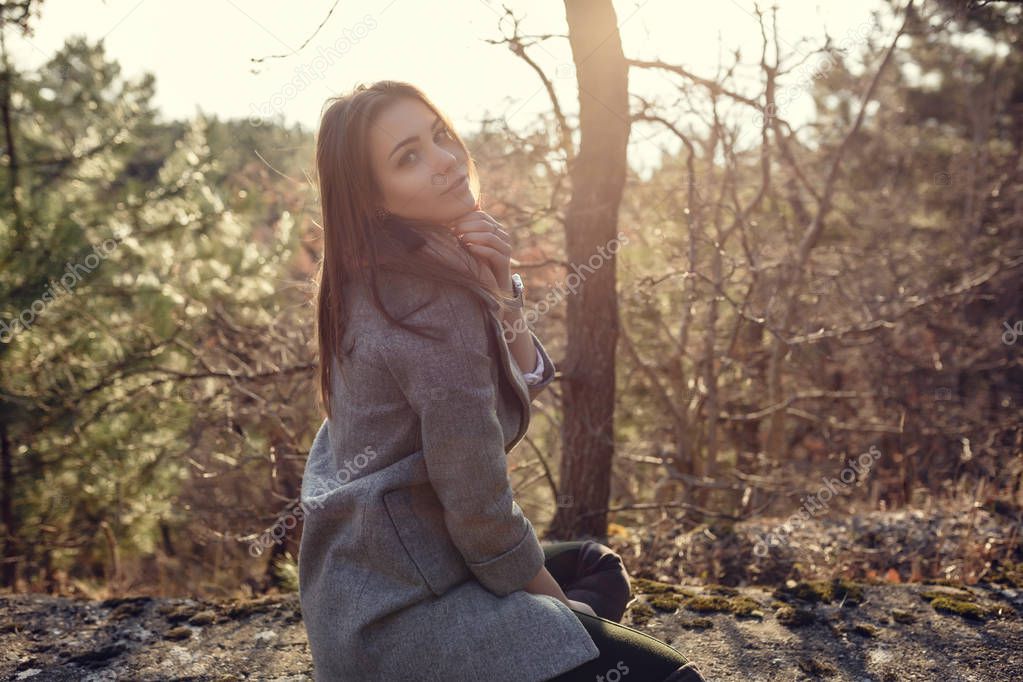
(594, 574)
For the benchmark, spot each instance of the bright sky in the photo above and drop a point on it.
(201, 51)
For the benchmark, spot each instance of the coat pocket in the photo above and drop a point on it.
(418, 518)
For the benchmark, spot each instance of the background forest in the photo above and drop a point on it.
(837, 300)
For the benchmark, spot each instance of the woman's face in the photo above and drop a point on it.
(418, 165)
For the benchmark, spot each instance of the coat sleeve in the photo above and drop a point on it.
(448, 384)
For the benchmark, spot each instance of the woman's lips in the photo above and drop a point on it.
(461, 181)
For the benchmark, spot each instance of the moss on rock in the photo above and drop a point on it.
(904, 617)
(666, 602)
(179, 633)
(816, 668)
(960, 607)
(641, 613)
(698, 623)
(793, 616)
(847, 591)
(647, 586)
(865, 629)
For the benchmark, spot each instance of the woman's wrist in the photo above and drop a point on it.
(544, 583)
(504, 280)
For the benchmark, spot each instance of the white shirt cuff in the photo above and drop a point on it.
(536, 375)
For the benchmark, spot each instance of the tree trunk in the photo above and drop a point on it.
(598, 177)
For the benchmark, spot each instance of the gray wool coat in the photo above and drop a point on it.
(414, 553)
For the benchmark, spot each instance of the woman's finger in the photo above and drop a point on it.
(487, 239)
(493, 257)
(477, 221)
(481, 228)
(499, 259)
(494, 260)
(480, 232)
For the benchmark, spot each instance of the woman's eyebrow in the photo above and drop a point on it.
(412, 138)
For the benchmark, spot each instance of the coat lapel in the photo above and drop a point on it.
(510, 371)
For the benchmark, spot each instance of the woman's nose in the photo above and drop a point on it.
(444, 162)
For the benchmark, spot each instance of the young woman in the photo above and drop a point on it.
(416, 563)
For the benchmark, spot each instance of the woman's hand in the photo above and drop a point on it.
(581, 606)
(485, 239)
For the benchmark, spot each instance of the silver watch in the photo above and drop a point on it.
(517, 289)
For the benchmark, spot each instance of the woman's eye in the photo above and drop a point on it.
(443, 131)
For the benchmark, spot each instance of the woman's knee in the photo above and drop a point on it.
(596, 557)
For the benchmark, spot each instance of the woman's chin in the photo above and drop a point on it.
(464, 203)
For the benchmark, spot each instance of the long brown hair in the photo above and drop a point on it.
(357, 242)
